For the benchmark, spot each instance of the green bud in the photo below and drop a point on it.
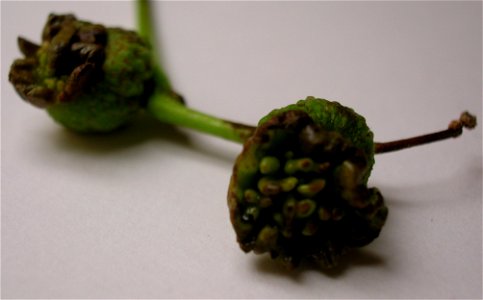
(266, 239)
(288, 183)
(270, 187)
(312, 188)
(347, 175)
(269, 165)
(90, 78)
(251, 196)
(299, 165)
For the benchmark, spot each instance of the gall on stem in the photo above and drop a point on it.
(298, 189)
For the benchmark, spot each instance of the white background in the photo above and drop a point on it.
(142, 213)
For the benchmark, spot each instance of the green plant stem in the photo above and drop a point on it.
(146, 28)
(169, 110)
(166, 107)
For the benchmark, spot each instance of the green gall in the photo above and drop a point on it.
(332, 116)
(314, 169)
(88, 77)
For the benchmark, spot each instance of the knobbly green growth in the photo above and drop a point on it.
(299, 187)
(95, 79)
(333, 116)
(89, 78)
(299, 190)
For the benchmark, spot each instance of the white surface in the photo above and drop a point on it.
(142, 213)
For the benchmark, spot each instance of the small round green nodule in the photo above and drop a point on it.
(269, 165)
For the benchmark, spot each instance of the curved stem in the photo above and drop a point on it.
(168, 109)
(455, 129)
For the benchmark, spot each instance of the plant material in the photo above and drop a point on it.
(89, 78)
(298, 189)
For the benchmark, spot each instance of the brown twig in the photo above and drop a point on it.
(455, 129)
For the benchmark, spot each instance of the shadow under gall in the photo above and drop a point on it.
(141, 129)
(353, 259)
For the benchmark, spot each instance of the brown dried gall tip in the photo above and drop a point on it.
(69, 59)
(468, 120)
(27, 47)
(88, 77)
